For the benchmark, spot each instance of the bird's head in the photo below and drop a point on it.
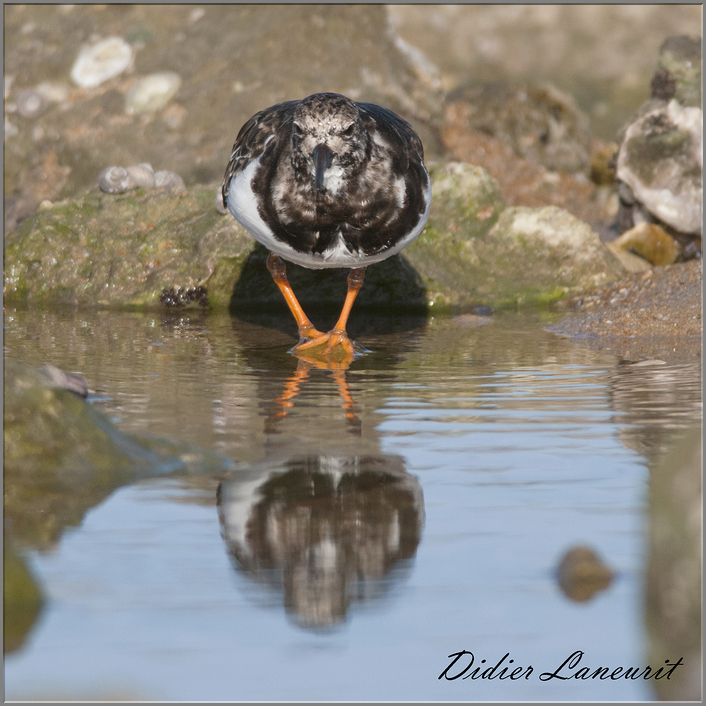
(328, 139)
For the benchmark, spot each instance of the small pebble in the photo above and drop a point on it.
(102, 61)
(53, 92)
(31, 103)
(141, 175)
(115, 180)
(152, 93)
(169, 181)
(651, 242)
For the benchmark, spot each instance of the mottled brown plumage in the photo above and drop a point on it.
(328, 182)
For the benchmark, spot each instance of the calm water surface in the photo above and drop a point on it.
(375, 520)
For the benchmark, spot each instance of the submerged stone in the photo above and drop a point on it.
(581, 574)
(63, 456)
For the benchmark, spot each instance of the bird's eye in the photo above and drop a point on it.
(349, 130)
(297, 130)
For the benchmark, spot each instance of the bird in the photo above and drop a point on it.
(327, 182)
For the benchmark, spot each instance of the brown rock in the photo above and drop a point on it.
(541, 123)
(651, 242)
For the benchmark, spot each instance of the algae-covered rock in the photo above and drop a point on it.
(62, 456)
(22, 602)
(125, 250)
(473, 252)
(678, 72)
(152, 248)
(546, 254)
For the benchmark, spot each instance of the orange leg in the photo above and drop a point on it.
(278, 271)
(337, 335)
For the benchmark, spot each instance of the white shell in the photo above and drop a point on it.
(100, 62)
(141, 175)
(152, 92)
(169, 181)
(115, 180)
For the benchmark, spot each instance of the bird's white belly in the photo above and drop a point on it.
(243, 204)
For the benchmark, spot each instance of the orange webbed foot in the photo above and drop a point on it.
(329, 342)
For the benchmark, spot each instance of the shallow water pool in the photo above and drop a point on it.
(374, 521)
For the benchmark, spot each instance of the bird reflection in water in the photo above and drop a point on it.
(325, 531)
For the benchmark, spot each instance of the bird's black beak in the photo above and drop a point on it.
(322, 159)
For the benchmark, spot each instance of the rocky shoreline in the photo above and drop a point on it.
(526, 204)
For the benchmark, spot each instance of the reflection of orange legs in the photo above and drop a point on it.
(340, 377)
(337, 335)
(291, 389)
(279, 274)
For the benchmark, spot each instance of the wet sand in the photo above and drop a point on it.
(653, 314)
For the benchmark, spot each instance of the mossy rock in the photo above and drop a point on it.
(474, 251)
(63, 456)
(150, 249)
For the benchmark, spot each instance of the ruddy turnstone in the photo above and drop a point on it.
(327, 182)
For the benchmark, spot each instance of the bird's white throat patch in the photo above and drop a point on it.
(333, 179)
